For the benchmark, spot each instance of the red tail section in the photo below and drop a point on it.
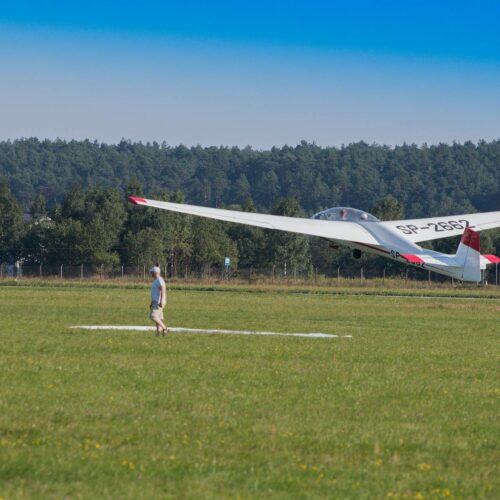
(469, 256)
(471, 239)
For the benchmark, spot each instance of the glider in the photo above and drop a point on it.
(362, 232)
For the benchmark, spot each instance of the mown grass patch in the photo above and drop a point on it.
(407, 408)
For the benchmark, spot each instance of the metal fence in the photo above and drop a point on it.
(220, 274)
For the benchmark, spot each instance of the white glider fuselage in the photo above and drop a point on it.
(394, 247)
(396, 240)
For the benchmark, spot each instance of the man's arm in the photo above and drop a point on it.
(163, 295)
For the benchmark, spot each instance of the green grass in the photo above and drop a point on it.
(406, 409)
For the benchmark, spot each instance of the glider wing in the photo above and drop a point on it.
(433, 228)
(333, 230)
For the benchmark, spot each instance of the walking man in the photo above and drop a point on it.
(158, 301)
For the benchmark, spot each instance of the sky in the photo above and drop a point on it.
(258, 73)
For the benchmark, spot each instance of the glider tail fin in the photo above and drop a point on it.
(469, 256)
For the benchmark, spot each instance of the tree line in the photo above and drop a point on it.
(65, 202)
(427, 180)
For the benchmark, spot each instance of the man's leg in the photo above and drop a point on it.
(163, 327)
(160, 326)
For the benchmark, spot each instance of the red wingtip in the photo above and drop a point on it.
(136, 201)
(471, 239)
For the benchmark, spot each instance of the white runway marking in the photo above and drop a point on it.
(199, 330)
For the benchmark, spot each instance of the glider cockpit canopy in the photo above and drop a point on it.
(345, 213)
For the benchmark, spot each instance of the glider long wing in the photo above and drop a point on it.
(433, 228)
(333, 230)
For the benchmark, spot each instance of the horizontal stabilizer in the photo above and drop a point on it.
(489, 260)
(413, 259)
(434, 259)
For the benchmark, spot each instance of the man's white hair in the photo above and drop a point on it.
(155, 269)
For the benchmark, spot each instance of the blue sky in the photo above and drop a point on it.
(251, 72)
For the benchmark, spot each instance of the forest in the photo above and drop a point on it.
(65, 202)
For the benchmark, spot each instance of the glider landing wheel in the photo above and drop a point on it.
(356, 253)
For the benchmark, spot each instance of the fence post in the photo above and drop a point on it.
(295, 274)
(144, 272)
(338, 274)
(383, 276)
(122, 271)
(273, 274)
(361, 273)
(61, 271)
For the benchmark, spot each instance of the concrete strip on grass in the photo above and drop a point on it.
(315, 335)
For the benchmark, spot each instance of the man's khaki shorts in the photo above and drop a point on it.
(156, 313)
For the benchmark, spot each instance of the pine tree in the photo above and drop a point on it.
(11, 225)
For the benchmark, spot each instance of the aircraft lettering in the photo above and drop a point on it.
(441, 226)
(404, 229)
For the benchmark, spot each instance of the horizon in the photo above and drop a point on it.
(164, 143)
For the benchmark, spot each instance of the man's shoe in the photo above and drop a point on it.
(165, 332)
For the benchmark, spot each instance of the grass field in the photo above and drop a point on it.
(406, 409)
